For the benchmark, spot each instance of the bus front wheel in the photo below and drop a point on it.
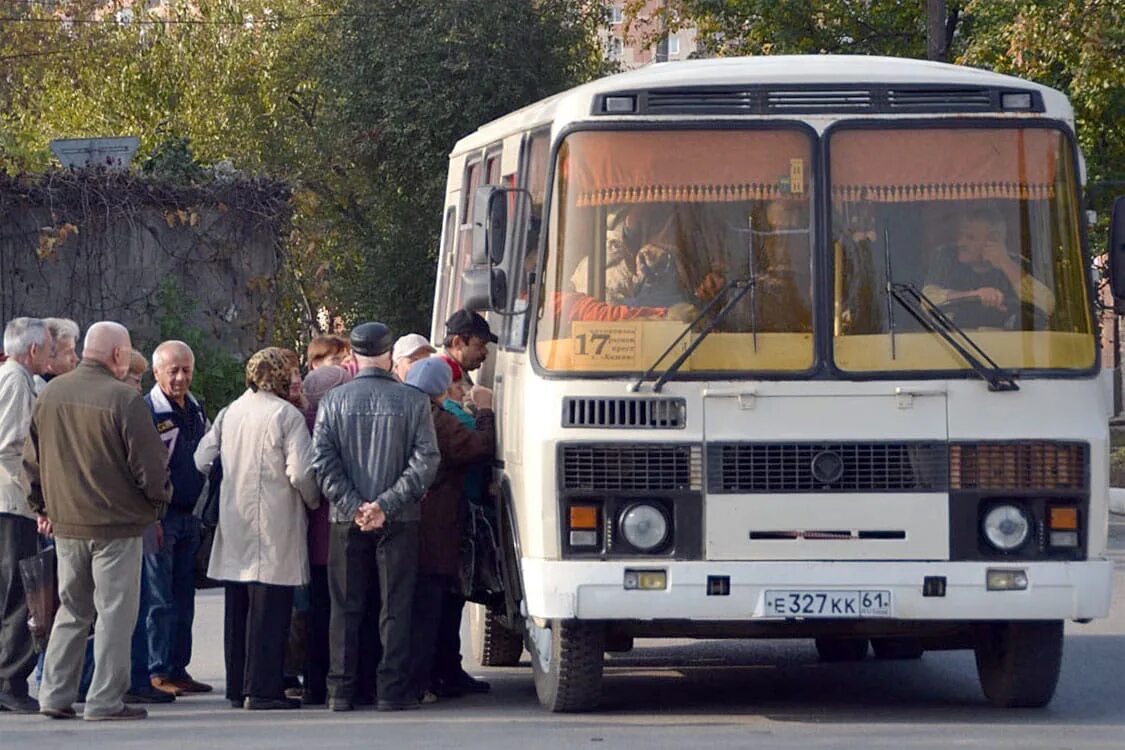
(566, 660)
(493, 644)
(1018, 662)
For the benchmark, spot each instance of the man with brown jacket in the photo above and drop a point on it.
(95, 469)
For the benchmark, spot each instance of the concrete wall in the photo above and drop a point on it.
(224, 261)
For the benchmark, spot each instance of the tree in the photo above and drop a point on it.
(797, 27)
(408, 78)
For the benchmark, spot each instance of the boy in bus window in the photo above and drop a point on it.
(977, 281)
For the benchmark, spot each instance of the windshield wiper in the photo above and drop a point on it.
(925, 311)
(743, 286)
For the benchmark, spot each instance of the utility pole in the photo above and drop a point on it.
(935, 30)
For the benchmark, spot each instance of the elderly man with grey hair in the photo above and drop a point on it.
(96, 475)
(64, 333)
(168, 597)
(28, 346)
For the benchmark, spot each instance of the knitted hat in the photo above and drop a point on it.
(432, 376)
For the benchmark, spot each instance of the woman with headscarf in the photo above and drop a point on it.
(260, 551)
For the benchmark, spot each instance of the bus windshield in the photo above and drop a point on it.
(648, 226)
(983, 222)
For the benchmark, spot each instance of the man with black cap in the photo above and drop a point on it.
(467, 335)
(375, 456)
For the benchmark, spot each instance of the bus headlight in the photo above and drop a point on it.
(644, 526)
(1006, 527)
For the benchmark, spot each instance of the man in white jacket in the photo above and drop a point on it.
(30, 349)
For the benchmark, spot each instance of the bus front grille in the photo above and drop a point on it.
(624, 412)
(635, 467)
(735, 468)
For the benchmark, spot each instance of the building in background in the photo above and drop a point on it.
(636, 40)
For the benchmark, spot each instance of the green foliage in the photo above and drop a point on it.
(798, 27)
(219, 376)
(354, 103)
(172, 160)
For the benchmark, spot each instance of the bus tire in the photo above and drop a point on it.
(1018, 662)
(897, 648)
(566, 661)
(841, 649)
(493, 644)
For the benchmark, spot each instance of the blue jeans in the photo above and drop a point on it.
(139, 680)
(169, 576)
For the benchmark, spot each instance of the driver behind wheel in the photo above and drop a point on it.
(978, 282)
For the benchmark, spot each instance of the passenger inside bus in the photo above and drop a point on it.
(978, 282)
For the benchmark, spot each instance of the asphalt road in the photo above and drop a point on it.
(713, 694)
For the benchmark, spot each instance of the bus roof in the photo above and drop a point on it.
(575, 103)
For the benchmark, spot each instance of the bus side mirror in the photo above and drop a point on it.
(1117, 252)
(490, 225)
(484, 289)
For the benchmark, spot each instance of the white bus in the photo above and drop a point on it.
(790, 347)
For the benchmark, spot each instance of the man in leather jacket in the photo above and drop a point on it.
(375, 456)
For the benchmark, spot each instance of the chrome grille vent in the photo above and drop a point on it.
(813, 99)
(803, 467)
(930, 99)
(630, 467)
(638, 413)
(805, 100)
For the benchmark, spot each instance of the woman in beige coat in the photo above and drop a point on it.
(260, 553)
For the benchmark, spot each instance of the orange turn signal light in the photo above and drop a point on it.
(583, 516)
(1064, 518)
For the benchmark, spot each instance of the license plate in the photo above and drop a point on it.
(855, 603)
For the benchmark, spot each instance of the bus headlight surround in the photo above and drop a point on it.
(644, 526)
(1006, 527)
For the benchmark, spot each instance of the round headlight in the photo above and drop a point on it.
(644, 527)
(1006, 527)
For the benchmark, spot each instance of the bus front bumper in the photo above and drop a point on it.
(596, 590)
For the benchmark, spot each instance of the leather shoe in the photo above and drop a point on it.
(164, 685)
(18, 704)
(469, 684)
(270, 704)
(397, 705)
(148, 694)
(188, 684)
(67, 712)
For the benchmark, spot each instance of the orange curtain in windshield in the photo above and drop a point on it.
(606, 168)
(945, 164)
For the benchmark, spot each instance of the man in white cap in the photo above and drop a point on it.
(408, 350)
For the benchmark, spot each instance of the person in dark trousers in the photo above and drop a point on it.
(375, 456)
(317, 383)
(443, 511)
(467, 336)
(28, 346)
(168, 599)
(260, 550)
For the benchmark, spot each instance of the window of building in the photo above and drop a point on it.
(673, 45)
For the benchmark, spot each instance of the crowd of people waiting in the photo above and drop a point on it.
(347, 488)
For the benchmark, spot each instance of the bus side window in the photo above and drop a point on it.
(446, 262)
(469, 187)
(522, 259)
